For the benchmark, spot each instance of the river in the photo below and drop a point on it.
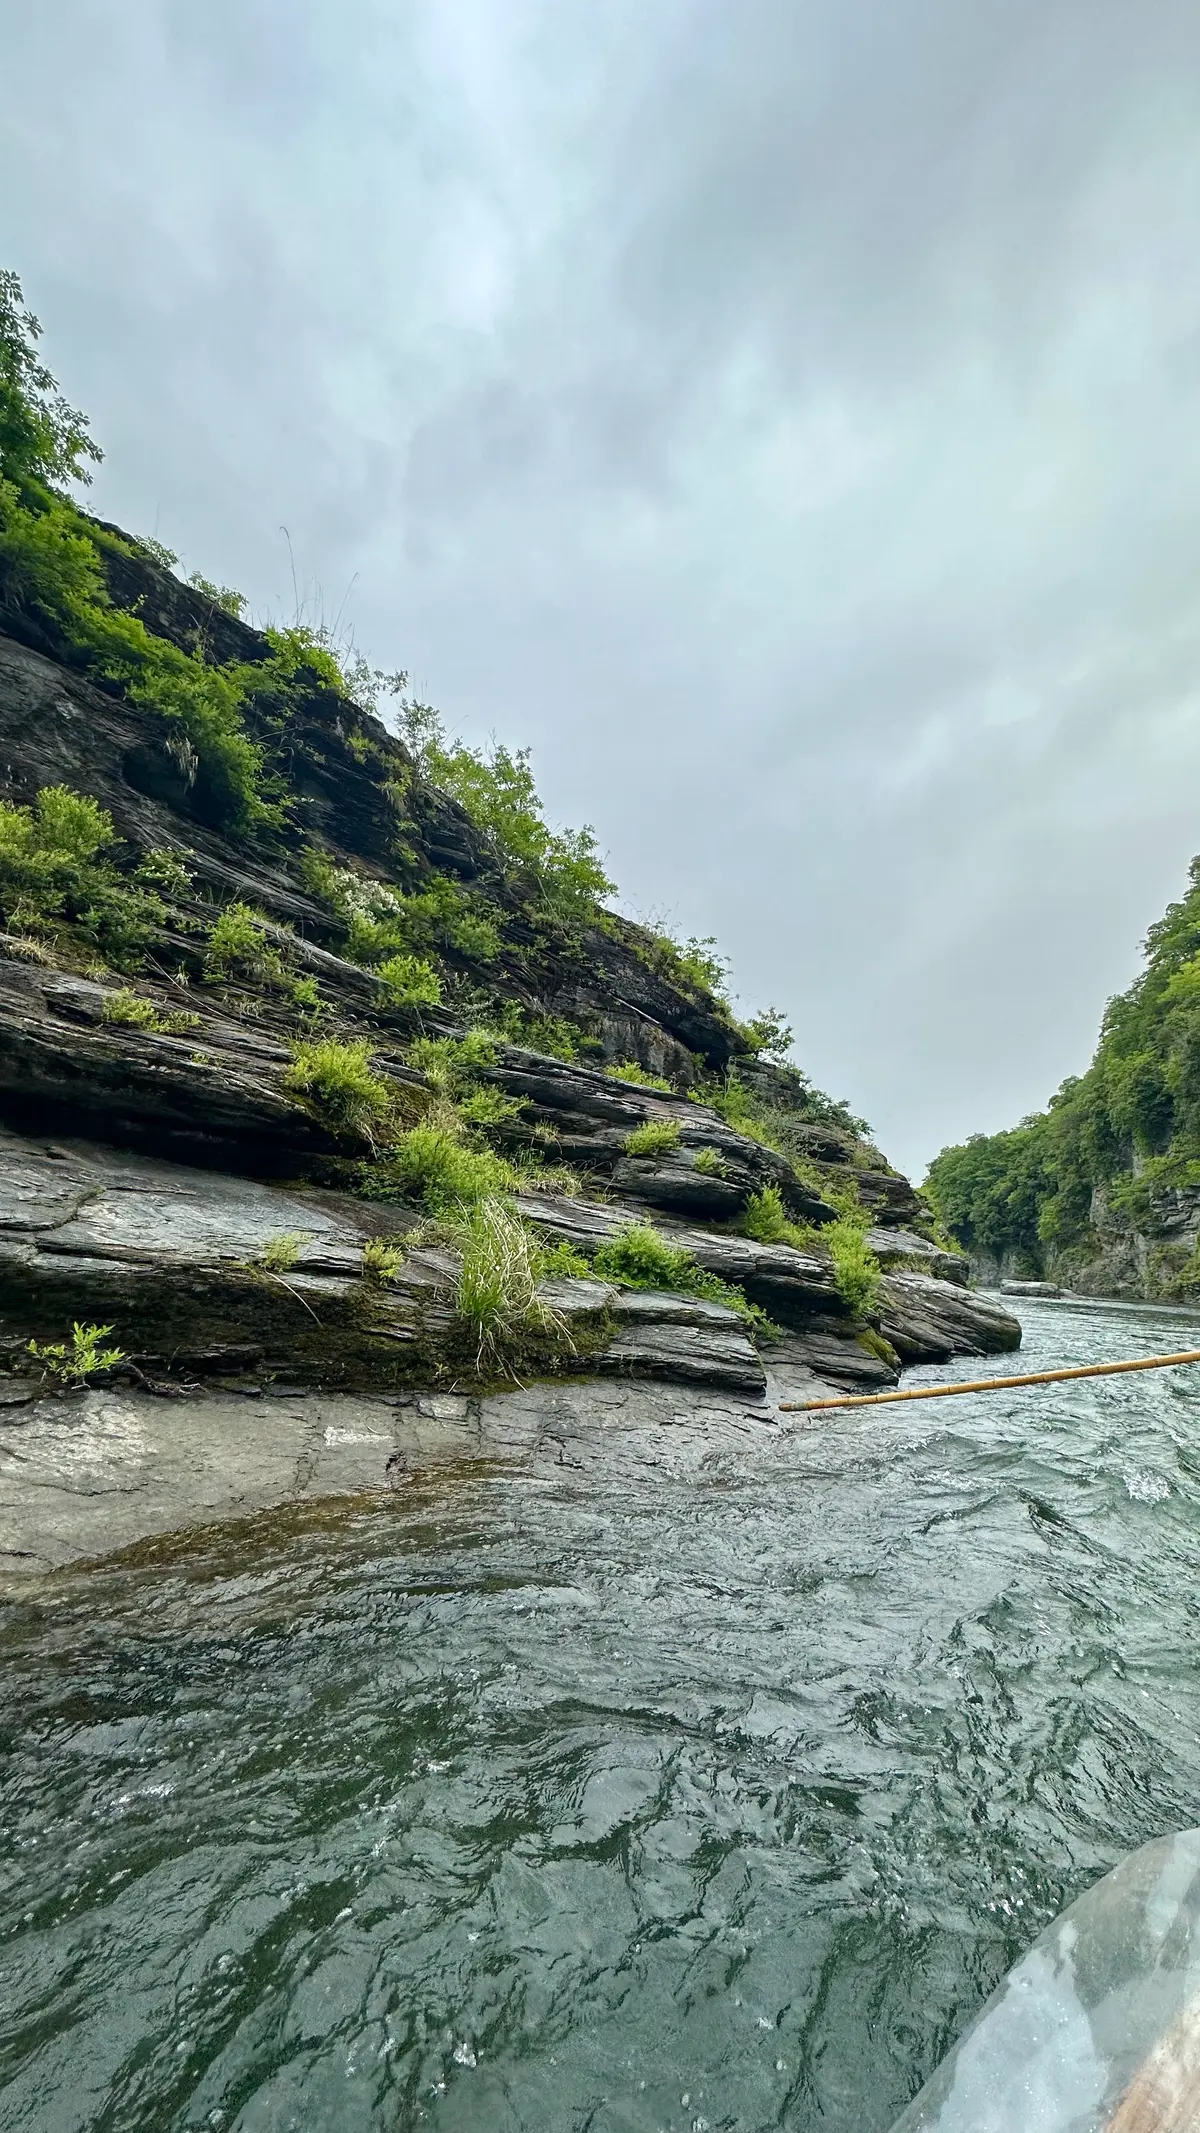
(519, 1802)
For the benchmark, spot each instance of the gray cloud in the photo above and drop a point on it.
(785, 418)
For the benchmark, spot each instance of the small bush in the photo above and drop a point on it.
(282, 1251)
(305, 994)
(164, 870)
(641, 1258)
(487, 1107)
(73, 1362)
(337, 1081)
(710, 1164)
(766, 1220)
(497, 1293)
(855, 1267)
(432, 1165)
(409, 981)
(450, 1063)
(381, 1261)
(629, 1070)
(656, 1137)
(133, 1011)
(238, 946)
(563, 1262)
(53, 869)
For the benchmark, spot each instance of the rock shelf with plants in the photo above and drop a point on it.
(324, 1057)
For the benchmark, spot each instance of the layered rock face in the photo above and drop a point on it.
(174, 1181)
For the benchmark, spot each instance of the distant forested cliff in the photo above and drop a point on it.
(1102, 1189)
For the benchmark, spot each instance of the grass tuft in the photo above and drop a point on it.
(656, 1137)
(497, 1293)
(381, 1261)
(337, 1082)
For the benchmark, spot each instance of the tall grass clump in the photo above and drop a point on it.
(496, 1296)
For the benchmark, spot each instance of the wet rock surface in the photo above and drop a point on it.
(171, 1180)
(84, 1474)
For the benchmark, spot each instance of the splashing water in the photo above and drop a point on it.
(522, 1803)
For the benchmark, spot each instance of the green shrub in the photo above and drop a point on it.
(42, 440)
(497, 1292)
(73, 1362)
(563, 1262)
(451, 1063)
(656, 1137)
(238, 946)
(710, 1164)
(221, 596)
(381, 1261)
(305, 994)
(498, 792)
(409, 981)
(134, 1011)
(629, 1070)
(53, 870)
(856, 1269)
(767, 1221)
(640, 1257)
(281, 1252)
(432, 1165)
(337, 1081)
(165, 871)
(488, 1108)
(383, 921)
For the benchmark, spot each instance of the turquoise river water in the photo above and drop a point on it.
(518, 1802)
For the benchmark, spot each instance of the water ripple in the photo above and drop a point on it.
(526, 1803)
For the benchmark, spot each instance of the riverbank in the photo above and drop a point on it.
(88, 1474)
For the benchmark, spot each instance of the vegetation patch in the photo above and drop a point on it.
(640, 1257)
(338, 1083)
(433, 1165)
(381, 1261)
(132, 1010)
(280, 1253)
(81, 1358)
(409, 981)
(496, 1296)
(767, 1221)
(710, 1164)
(629, 1070)
(855, 1267)
(57, 875)
(1129, 1127)
(656, 1137)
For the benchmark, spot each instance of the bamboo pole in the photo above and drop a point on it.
(947, 1392)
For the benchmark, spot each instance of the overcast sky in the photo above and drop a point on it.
(785, 417)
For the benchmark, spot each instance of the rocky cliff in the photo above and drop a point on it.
(229, 1134)
(1101, 1191)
